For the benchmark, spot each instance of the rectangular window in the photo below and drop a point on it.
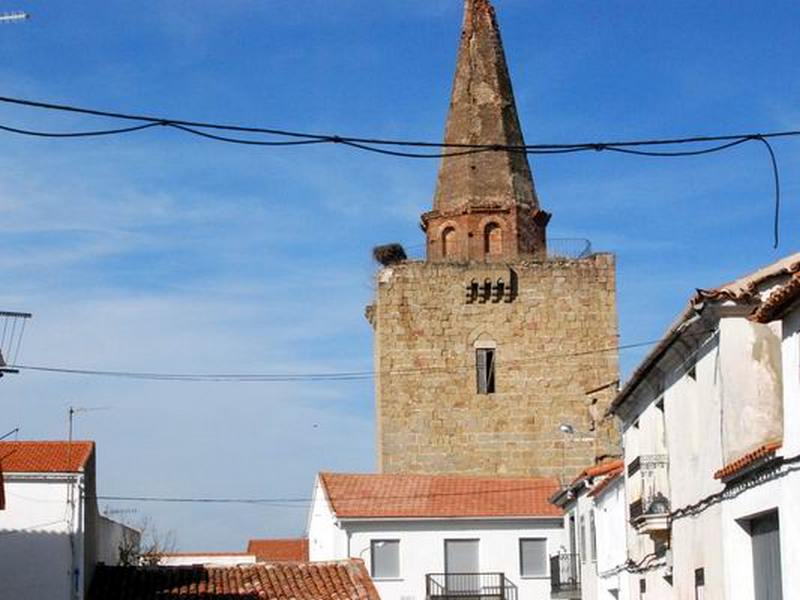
(385, 559)
(766, 542)
(592, 536)
(461, 556)
(484, 365)
(699, 584)
(533, 557)
(642, 589)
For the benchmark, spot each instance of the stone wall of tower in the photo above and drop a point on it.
(431, 418)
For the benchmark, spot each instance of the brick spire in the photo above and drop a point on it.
(485, 207)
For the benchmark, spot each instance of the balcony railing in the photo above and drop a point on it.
(649, 486)
(557, 249)
(565, 576)
(472, 586)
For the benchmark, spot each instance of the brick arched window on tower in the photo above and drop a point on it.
(492, 240)
(449, 242)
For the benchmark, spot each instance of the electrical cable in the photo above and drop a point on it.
(289, 377)
(377, 145)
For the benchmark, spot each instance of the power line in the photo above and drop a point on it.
(293, 501)
(385, 146)
(290, 377)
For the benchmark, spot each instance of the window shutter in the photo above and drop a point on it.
(533, 557)
(385, 558)
(481, 367)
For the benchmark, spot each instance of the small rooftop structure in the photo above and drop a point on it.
(279, 550)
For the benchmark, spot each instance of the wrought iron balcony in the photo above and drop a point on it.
(472, 586)
(565, 576)
(649, 484)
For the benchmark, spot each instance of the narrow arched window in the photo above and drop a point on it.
(493, 239)
(449, 242)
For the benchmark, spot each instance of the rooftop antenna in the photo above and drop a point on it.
(12, 328)
(14, 17)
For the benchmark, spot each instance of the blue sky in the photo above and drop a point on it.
(162, 252)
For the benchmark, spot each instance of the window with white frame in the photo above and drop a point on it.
(385, 559)
(533, 557)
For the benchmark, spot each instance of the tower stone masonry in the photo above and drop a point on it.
(488, 346)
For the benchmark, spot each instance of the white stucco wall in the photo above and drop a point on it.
(422, 546)
(35, 550)
(694, 441)
(326, 539)
(111, 535)
(610, 521)
(790, 353)
(422, 550)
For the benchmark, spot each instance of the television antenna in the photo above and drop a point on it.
(12, 328)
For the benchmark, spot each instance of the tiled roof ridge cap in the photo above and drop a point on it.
(778, 300)
(599, 469)
(735, 466)
(749, 283)
(439, 476)
(606, 482)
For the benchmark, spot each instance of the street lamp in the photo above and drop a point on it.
(569, 430)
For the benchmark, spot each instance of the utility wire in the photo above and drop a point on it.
(288, 377)
(382, 145)
(336, 499)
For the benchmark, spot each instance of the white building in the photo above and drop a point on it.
(51, 534)
(427, 537)
(590, 566)
(711, 428)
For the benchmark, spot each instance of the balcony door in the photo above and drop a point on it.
(461, 565)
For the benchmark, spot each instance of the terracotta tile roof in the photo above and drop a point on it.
(279, 550)
(429, 496)
(610, 478)
(338, 580)
(766, 451)
(746, 288)
(779, 300)
(598, 470)
(44, 457)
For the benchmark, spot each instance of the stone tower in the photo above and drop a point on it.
(488, 346)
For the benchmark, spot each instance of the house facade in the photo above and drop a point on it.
(588, 567)
(427, 537)
(711, 422)
(52, 535)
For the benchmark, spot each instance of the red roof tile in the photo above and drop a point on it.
(778, 301)
(765, 451)
(44, 457)
(421, 496)
(611, 477)
(338, 580)
(746, 288)
(279, 550)
(597, 470)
